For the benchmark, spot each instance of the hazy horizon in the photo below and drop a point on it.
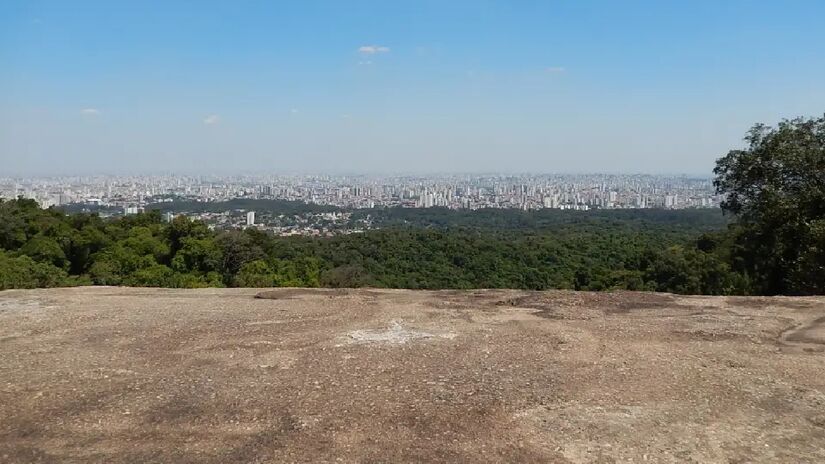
(95, 87)
(269, 173)
(229, 173)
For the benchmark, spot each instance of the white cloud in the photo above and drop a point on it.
(555, 69)
(365, 62)
(90, 111)
(373, 49)
(212, 119)
(294, 110)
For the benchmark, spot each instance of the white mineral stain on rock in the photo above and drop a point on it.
(395, 334)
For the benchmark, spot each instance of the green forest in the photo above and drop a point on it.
(643, 249)
(771, 241)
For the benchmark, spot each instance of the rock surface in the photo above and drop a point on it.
(112, 375)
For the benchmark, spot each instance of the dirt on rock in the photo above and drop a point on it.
(109, 375)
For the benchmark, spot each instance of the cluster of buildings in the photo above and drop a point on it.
(528, 191)
(303, 224)
(311, 224)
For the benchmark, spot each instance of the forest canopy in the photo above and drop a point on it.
(638, 250)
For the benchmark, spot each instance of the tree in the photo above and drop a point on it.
(24, 272)
(182, 228)
(198, 255)
(89, 240)
(19, 220)
(776, 190)
(237, 249)
(143, 242)
(346, 276)
(255, 274)
(45, 250)
(156, 275)
(106, 272)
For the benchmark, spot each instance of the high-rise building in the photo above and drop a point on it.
(250, 218)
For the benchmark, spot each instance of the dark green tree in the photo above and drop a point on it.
(45, 250)
(24, 272)
(776, 189)
(237, 248)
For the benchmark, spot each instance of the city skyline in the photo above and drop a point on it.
(454, 191)
(364, 86)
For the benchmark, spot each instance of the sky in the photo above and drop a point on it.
(108, 87)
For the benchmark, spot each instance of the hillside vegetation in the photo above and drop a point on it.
(655, 250)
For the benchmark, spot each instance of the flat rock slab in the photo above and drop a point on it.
(108, 375)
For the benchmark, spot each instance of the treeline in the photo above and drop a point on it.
(624, 250)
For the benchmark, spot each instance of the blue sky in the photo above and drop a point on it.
(424, 86)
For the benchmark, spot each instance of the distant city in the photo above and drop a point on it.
(125, 195)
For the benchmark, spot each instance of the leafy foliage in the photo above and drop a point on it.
(24, 272)
(776, 190)
(637, 250)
